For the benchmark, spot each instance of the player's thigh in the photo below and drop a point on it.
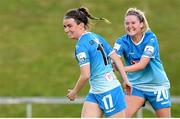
(160, 101)
(164, 113)
(134, 103)
(91, 109)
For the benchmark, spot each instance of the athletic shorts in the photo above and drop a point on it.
(110, 102)
(158, 99)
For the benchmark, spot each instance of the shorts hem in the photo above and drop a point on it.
(161, 107)
(115, 112)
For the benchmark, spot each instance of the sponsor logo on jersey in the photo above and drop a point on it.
(134, 62)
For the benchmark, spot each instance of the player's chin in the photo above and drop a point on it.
(71, 37)
(131, 34)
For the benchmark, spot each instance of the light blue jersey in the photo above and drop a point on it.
(153, 77)
(92, 49)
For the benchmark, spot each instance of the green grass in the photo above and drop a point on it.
(36, 57)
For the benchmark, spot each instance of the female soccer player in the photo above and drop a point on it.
(145, 70)
(93, 54)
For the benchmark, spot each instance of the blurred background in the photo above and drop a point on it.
(36, 57)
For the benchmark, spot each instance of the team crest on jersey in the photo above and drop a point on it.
(116, 46)
(149, 50)
(91, 42)
(152, 40)
(81, 57)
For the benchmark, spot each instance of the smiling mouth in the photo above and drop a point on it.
(131, 30)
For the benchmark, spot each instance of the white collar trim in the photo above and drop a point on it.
(139, 41)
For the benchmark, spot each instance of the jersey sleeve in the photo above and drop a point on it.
(151, 48)
(118, 47)
(81, 54)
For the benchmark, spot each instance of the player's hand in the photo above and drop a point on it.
(71, 94)
(127, 87)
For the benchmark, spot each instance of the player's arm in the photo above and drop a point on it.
(83, 78)
(119, 65)
(139, 65)
(150, 51)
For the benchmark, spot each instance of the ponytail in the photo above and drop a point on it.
(82, 15)
(86, 12)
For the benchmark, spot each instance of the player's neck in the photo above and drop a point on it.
(137, 38)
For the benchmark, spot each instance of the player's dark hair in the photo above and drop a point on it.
(82, 15)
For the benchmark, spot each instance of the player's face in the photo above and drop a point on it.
(72, 29)
(133, 26)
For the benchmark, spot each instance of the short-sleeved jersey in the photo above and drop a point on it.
(91, 49)
(153, 76)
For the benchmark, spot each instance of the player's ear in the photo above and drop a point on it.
(142, 24)
(82, 25)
